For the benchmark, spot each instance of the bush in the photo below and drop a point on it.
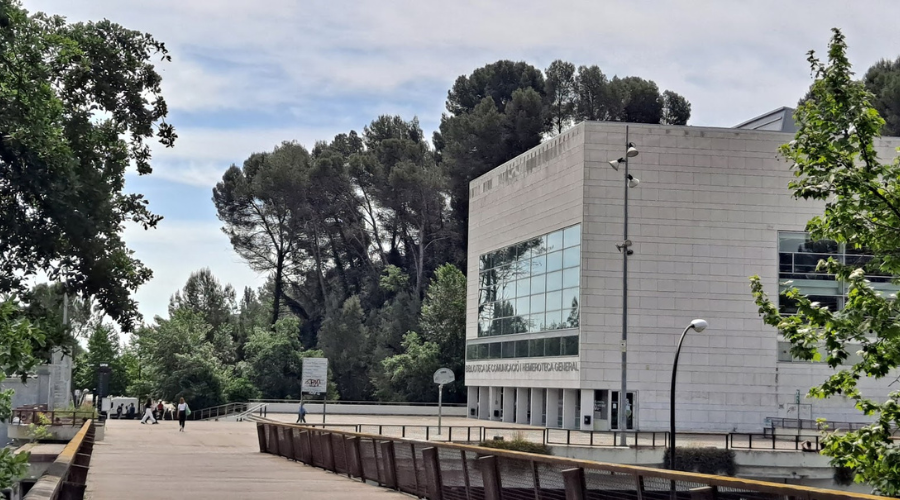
(703, 460)
(843, 476)
(517, 444)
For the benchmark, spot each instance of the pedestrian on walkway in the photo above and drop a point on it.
(148, 413)
(130, 413)
(119, 412)
(183, 411)
(301, 414)
(159, 410)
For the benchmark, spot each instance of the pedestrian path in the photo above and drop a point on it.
(211, 460)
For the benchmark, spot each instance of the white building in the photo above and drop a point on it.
(544, 303)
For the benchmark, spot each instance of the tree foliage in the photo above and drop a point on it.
(835, 161)
(17, 340)
(79, 103)
(102, 347)
(883, 80)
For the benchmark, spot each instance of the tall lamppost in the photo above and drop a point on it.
(625, 248)
(698, 325)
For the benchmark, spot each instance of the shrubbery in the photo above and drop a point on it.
(517, 444)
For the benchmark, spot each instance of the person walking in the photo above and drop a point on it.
(159, 410)
(130, 413)
(148, 413)
(301, 414)
(183, 411)
(119, 412)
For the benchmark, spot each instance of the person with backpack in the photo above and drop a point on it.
(301, 414)
(183, 411)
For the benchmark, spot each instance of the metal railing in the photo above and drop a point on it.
(251, 409)
(55, 417)
(219, 411)
(814, 425)
(448, 471)
(572, 437)
(67, 475)
(342, 402)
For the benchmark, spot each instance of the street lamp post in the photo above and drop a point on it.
(698, 325)
(625, 248)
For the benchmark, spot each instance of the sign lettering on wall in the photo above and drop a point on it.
(546, 366)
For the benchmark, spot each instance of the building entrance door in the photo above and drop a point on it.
(601, 410)
(629, 411)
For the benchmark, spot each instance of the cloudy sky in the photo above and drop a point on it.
(245, 76)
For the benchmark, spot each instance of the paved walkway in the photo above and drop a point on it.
(214, 460)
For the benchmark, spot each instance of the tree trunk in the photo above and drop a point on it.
(276, 302)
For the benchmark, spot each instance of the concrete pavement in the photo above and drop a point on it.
(214, 460)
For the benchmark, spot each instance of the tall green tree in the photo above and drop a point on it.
(561, 94)
(275, 358)
(883, 81)
(344, 339)
(834, 161)
(594, 98)
(102, 347)
(79, 103)
(179, 361)
(676, 109)
(640, 99)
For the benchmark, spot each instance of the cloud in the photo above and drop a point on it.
(731, 59)
(176, 249)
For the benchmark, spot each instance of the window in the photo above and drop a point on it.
(798, 262)
(532, 286)
(784, 355)
(533, 348)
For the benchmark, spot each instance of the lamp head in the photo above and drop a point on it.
(699, 325)
(615, 163)
(633, 181)
(632, 151)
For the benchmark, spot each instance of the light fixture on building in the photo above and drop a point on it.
(615, 163)
(633, 181)
(632, 151)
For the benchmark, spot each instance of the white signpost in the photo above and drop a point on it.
(314, 379)
(442, 376)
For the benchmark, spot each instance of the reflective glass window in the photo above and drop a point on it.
(483, 351)
(571, 277)
(523, 305)
(523, 287)
(572, 257)
(570, 345)
(554, 261)
(555, 320)
(538, 264)
(552, 346)
(538, 283)
(554, 300)
(471, 352)
(572, 236)
(537, 246)
(508, 349)
(494, 350)
(555, 280)
(570, 299)
(554, 241)
(537, 303)
(536, 322)
(535, 347)
(522, 349)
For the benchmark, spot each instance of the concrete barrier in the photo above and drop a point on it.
(368, 409)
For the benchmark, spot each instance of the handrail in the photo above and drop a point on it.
(59, 475)
(56, 417)
(342, 402)
(251, 410)
(218, 411)
(360, 455)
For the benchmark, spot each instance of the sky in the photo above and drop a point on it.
(246, 76)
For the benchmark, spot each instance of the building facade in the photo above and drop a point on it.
(544, 296)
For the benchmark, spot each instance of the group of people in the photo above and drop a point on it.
(129, 412)
(151, 412)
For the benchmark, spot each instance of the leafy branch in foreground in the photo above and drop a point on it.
(835, 161)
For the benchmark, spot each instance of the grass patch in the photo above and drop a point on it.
(517, 443)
